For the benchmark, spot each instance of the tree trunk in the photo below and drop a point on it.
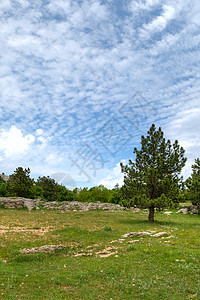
(151, 214)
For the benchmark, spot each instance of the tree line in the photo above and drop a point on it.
(153, 180)
(20, 184)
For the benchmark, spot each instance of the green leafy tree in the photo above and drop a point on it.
(100, 193)
(20, 183)
(64, 194)
(36, 191)
(49, 187)
(153, 179)
(84, 195)
(116, 196)
(193, 184)
(3, 189)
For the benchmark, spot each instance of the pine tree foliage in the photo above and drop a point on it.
(193, 184)
(152, 179)
(20, 183)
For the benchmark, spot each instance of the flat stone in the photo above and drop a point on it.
(159, 234)
(132, 234)
(45, 248)
(183, 210)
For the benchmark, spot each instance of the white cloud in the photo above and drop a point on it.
(185, 128)
(13, 141)
(39, 132)
(159, 23)
(53, 159)
(115, 176)
(5, 4)
(137, 5)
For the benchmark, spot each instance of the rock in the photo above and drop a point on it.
(145, 233)
(135, 209)
(45, 248)
(131, 234)
(81, 206)
(4, 177)
(193, 209)
(133, 241)
(183, 210)
(19, 202)
(167, 213)
(107, 252)
(159, 234)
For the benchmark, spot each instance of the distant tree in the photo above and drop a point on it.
(3, 189)
(193, 184)
(36, 191)
(153, 179)
(64, 194)
(116, 195)
(20, 183)
(84, 195)
(49, 187)
(100, 193)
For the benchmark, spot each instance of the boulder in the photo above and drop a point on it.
(183, 210)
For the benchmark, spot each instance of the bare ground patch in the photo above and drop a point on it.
(37, 231)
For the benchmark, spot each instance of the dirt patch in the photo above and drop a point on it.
(39, 231)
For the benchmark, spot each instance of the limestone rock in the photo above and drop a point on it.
(183, 210)
(159, 234)
(193, 209)
(81, 206)
(132, 234)
(145, 233)
(19, 202)
(45, 248)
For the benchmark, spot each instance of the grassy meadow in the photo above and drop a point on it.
(97, 263)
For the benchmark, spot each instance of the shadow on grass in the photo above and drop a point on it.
(146, 222)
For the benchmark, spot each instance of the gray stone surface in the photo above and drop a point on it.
(19, 203)
(5, 177)
(183, 210)
(83, 206)
(45, 248)
(193, 209)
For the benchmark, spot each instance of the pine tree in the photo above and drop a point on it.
(193, 184)
(20, 183)
(49, 186)
(152, 181)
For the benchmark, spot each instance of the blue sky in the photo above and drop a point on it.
(81, 81)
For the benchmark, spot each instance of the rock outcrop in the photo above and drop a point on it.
(19, 203)
(83, 206)
(4, 177)
(192, 209)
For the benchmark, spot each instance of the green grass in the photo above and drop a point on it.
(153, 268)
